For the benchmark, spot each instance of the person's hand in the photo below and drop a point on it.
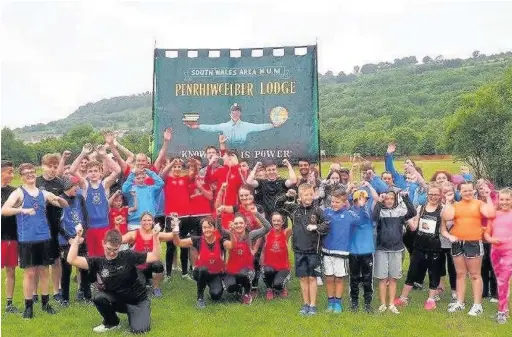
(192, 125)
(87, 148)
(66, 154)
(365, 184)
(214, 159)
(168, 134)
(253, 209)
(223, 187)
(382, 197)
(403, 193)
(118, 220)
(493, 241)
(291, 193)
(286, 163)
(222, 138)
(452, 238)
(220, 209)
(28, 211)
(391, 147)
(109, 138)
(156, 229)
(258, 165)
(102, 151)
(328, 182)
(311, 227)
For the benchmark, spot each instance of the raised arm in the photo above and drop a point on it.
(162, 154)
(222, 144)
(154, 255)
(165, 172)
(114, 167)
(260, 232)
(292, 177)
(411, 211)
(251, 177)
(110, 141)
(388, 161)
(55, 200)
(220, 195)
(62, 163)
(113, 196)
(129, 154)
(86, 149)
(73, 258)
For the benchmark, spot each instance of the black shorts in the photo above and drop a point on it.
(34, 254)
(469, 249)
(305, 264)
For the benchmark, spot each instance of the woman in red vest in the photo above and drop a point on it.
(275, 261)
(209, 267)
(142, 241)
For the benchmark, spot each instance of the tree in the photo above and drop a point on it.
(368, 68)
(475, 54)
(480, 131)
(356, 70)
(439, 58)
(427, 60)
(14, 150)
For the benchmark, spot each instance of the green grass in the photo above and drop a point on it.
(175, 313)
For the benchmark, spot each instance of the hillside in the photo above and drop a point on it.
(360, 112)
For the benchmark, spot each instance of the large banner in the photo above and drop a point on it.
(266, 105)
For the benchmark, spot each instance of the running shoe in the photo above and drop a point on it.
(201, 304)
(104, 328)
(177, 268)
(312, 311)
(48, 309)
(304, 310)
(270, 295)
(28, 313)
(319, 281)
(476, 310)
(430, 304)
(338, 307)
(284, 293)
(11, 309)
(417, 286)
(247, 299)
(354, 306)
(157, 292)
(64, 303)
(368, 308)
(456, 306)
(493, 300)
(330, 305)
(501, 318)
(186, 277)
(383, 308)
(393, 309)
(402, 301)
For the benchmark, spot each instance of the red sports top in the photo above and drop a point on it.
(119, 213)
(142, 245)
(210, 259)
(199, 204)
(275, 252)
(229, 174)
(177, 195)
(240, 257)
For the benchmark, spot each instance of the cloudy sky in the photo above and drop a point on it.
(60, 55)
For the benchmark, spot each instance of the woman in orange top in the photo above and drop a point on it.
(466, 237)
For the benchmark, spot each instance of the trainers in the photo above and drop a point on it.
(354, 306)
(104, 328)
(270, 295)
(430, 304)
(28, 313)
(157, 292)
(64, 303)
(304, 310)
(11, 309)
(417, 286)
(48, 309)
(284, 293)
(319, 281)
(247, 299)
(330, 305)
(456, 306)
(177, 268)
(476, 310)
(493, 300)
(186, 277)
(383, 308)
(368, 308)
(312, 311)
(401, 301)
(501, 318)
(338, 307)
(80, 296)
(201, 304)
(393, 309)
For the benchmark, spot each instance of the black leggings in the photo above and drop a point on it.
(239, 282)
(188, 226)
(139, 314)
(361, 271)
(65, 278)
(490, 288)
(213, 281)
(422, 261)
(447, 267)
(257, 266)
(152, 268)
(275, 279)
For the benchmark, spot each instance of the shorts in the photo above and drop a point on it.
(35, 254)
(305, 264)
(336, 266)
(470, 249)
(94, 238)
(387, 265)
(9, 253)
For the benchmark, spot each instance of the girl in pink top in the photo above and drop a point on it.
(499, 234)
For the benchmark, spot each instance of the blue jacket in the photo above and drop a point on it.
(361, 240)
(399, 179)
(337, 240)
(147, 195)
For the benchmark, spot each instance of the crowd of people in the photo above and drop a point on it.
(107, 213)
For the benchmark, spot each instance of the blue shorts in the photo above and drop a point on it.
(305, 264)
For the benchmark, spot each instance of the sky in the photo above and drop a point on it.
(57, 56)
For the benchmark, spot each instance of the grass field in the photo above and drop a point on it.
(175, 313)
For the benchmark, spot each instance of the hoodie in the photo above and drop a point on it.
(341, 224)
(74, 214)
(362, 239)
(399, 179)
(147, 195)
(390, 223)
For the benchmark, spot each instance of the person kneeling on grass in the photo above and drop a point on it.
(390, 214)
(141, 241)
(121, 286)
(210, 266)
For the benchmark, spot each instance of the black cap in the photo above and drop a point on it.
(235, 106)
